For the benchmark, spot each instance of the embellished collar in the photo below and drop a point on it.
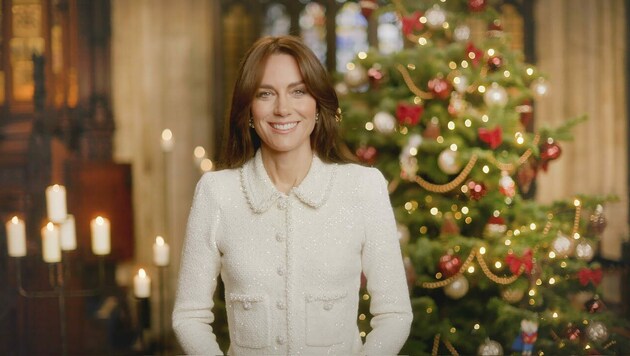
(261, 193)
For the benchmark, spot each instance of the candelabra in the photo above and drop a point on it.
(58, 238)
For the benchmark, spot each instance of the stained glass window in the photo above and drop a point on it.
(313, 29)
(277, 21)
(389, 33)
(351, 31)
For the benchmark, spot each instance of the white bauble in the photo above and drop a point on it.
(462, 33)
(435, 17)
(447, 161)
(540, 87)
(597, 331)
(457, 288)
(496, 95)
(490, 348)
(562, 245)
(356, 77)
(384, 122)
(584, 251)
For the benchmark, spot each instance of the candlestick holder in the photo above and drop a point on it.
(163, 339)
(143, 308)
(58, 274)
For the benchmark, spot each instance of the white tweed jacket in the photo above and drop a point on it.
(292, 263)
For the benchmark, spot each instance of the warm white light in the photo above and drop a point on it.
(362, 55)
(199, 152)
(369, 126)
(206, 165)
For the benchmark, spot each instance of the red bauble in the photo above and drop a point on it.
(526, 113)
(573, 333)
(476, 190)
(594, 305)
(476, 5)
(449, 265)
(367, 7)
(408, 114)
(440, 88)
(495, 62)
(367, 154)
(548, 152)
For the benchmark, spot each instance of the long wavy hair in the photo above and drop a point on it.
(241, 141)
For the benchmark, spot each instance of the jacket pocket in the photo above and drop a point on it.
(325, 318)
(250, 314)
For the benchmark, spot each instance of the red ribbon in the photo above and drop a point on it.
(408, 114)
(590, 275)
(411, 23)
(492, 137)
(515, 262)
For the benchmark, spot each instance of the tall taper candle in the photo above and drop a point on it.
(16, 237)
(56, 203)
(51, 250)
(100, 236)
(142, 284)
(161, 252)
(68, 234)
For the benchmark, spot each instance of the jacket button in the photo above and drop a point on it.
(280, 271)
(280, 237)
(281, 340)
(280, 305)
(283, 203)
(328, 305)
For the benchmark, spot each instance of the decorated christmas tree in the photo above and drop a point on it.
(447, 120)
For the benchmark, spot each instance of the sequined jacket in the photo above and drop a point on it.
(291, 264)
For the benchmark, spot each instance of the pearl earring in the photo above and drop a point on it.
(251, 122)
(317, 116)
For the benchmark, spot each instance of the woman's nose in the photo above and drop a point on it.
(282, 106)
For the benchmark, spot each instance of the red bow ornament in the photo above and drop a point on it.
(515, 262)
(474, 54)
(408, 114)
(493, 137)
(412, 23)
(590, 275)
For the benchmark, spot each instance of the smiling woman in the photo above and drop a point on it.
(290, 225)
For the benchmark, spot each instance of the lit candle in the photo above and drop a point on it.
(68, 234)
(16, 237)
(161, 252)
(142, 284)
(167, 140)
(56, 203)
(100, 236)
(51, 250)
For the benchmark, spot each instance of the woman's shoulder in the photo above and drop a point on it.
(219, 178)
(357, 173)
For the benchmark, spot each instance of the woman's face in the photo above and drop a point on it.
(283, 110)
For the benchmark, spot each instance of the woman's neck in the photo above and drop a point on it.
(287, 169)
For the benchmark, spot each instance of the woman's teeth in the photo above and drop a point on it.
(284, 127)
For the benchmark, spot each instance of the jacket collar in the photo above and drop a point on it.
(261, 193)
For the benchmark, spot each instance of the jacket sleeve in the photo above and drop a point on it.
(383, 267)
(199, 269)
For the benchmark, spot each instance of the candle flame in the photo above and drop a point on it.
(15, 220)
(167, 135)
(159, 240)
(142, 273)
(50, 226)
(100, 220)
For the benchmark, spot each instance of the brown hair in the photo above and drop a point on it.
(241, 142)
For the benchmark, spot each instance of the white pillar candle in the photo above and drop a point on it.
(168, 141)
(56, 203)
(100, 236)
(16, 237)
(161, 252)
(142, 284)
(68, 234)
(51, 250)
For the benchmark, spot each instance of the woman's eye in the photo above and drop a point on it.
(299, 92)
(263, 94)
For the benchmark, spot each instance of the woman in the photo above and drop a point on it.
(290, 225)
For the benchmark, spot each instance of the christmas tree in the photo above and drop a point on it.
(447, 120)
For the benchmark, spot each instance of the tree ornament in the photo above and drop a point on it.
(515, 263)
(408, 166)
(512, 295)
(435, 17)
(594, 305)
(440, 87)
(587, 275)
(376, 76)
(432, 130)
(495, 62)
(507, 186)
(493, 137)
(411, 23)
(596, 331)
(584, 250)
(549, 151)
(477, 5)
(474, 54)
(367, 154)
(356, 77)
(408, 114)
(540, 87)
(457, 288)
(524, 342)
(562, 245)
(403, 234)
(496, 95)
(384, 122)
(597, 222)
(573, 333)
(476, 190)
(526, 113)
(490, 348)
(495, 29)
(461, 33)
(495, 227)
(525, 176)
(367, 7)
(449, 226)
(457, 105)
(460, 83)
(447, 161)
(449, 264)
